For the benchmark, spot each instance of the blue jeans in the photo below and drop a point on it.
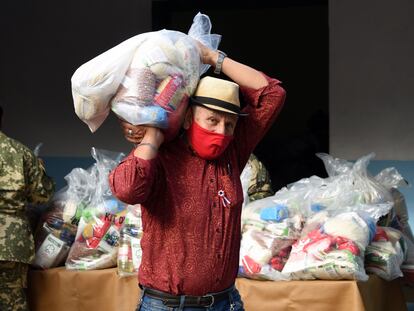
(234, 303)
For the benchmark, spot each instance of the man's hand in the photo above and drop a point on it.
(132, 133)
(208, 56)
(148, 148)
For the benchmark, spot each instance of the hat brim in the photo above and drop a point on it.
(219, 105)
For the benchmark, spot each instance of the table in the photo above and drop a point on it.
(65, 290)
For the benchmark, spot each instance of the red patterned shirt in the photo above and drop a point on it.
(191, 207)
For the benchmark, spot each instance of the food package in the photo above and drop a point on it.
(385, 255)
(98, 235)
(268, 231)
(56, 233)
(129, 252)
(263, 255)
(334, 249)
(146, 79)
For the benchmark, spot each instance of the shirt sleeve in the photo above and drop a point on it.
(40, 187)
(262, 106)
(133, 179)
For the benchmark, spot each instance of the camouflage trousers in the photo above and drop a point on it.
(13, 284)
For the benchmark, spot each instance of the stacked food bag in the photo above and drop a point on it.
(326, 228)
(268, 232)
(130, 253)
(98, 234)
(61, 223)
(146, 79)
(99, 229)
(332, 246)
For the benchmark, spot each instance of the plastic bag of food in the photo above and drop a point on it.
(146, 79)
(97, 235)
(385, 254)
(97, 240)
(358, 178)
(263, 254)
(268, 231)
(332, 246)
(57, 231)
(398, 218)
(129, 252)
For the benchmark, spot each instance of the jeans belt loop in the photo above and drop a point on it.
(212, 301)
(142, 295)
(182, 302)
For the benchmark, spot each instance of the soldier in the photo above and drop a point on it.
(23, 181)
(260, 185)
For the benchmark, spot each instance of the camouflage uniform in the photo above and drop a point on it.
(260, 185)
(23, 181)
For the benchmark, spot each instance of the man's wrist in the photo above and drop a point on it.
(153, 136)
(151, 146)
(219, 62)
(212, 59)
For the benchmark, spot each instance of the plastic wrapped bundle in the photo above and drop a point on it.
(59, 226)
(268, 231)
(98, 235)
(130, 253)
(357, 178)
(385, 255)
(146, 79)
(54, 239)
(333, 246)
(263, 255)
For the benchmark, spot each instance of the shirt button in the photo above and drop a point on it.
(218, 256)
(214, 204)
(218, 230)
(217, 280)
(211, 180)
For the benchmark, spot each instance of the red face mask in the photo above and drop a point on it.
(208, 145)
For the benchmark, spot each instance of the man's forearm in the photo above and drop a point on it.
(241, 74)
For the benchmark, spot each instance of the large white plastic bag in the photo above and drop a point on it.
(370, 190)
(97, 235)
(162, 76)
(96, 82)
(57, 231)
(268, 231)
(385, 255)
(333, 243)
(321, 254)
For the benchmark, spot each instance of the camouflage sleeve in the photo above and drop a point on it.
(260, 185)
(40, 187)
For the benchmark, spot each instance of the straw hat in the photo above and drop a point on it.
(218, 94)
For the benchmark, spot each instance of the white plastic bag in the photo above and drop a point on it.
(150, 78)
(385, 255)
(329, 251)
(333, 242)
(58, 229)
(130, 252)
(369, 189)
(98, 232)
(268, 231)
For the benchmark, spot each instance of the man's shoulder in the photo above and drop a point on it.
(11, 145)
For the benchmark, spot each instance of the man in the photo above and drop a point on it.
(23, 181)
(190, 190)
